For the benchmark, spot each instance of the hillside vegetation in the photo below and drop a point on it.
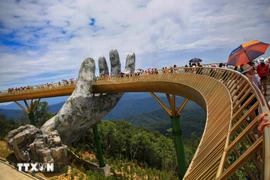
(140, 109)
(138, 146)
(132, 152)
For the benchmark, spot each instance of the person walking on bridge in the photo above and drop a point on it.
(263, 72)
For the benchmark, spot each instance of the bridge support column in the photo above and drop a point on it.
(29, 110)
(177, 131)
(179, 146)
(31, 117)
(98, 146)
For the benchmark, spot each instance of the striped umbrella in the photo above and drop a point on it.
(247, 52)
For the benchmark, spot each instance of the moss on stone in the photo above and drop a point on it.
(57, 123)
(84, 108)
(68, 101)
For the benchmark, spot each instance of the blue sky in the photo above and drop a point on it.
(47, 40)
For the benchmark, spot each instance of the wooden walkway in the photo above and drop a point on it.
(267, 97)
(8, 172)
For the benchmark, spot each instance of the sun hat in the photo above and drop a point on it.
(246, 68)
(261, 59)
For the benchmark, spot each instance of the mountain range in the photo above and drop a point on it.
(141, 109)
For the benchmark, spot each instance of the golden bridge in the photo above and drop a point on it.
(230, 143)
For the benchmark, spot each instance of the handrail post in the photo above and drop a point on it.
(266, 153)
(179, 146)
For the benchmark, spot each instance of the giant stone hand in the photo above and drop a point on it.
(83, 109)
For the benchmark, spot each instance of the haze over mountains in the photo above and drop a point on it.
(51, 101)
(141, 109)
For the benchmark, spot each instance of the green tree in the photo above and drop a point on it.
(23, 119)
(147, 148)
(191, 146)
(6, 126)
(41, 113)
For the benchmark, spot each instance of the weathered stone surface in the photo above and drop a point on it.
(19, 140)
(130, 63)
(103, 67)
(58, 153)
(31, 145)
(81, 111)
(115, 62)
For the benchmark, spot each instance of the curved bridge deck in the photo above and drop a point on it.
(230, 147)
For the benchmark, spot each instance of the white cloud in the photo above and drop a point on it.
(267, 13)
(52, 37)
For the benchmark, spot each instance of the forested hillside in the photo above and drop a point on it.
(136, 152)
(11, 114)
(192, 120)
(131, 151)
(141, 109)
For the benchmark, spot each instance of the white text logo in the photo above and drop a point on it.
(36, 167)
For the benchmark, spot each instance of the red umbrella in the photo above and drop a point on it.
(247, 52)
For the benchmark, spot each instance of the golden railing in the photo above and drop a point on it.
(230, 147)
(37, 92)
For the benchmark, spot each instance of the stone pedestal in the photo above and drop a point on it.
(105, 170)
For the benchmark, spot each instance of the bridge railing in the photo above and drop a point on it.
(54, 86)
(246, 153)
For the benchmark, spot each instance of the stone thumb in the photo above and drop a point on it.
(86, 76)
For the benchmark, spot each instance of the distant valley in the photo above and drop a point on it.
(141, 109)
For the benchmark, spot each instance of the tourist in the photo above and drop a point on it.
(257, 79)
(263, 122)
(240, 69)
(175, 68)
(249, 72)
(220, 65)
(263, 72)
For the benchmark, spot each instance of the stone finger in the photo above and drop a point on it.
(86, 76)
(115, 62)
(103, 67)
(130, 63)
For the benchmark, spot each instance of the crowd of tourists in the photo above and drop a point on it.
(258, 72)
(42, 86)
(20, 88)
